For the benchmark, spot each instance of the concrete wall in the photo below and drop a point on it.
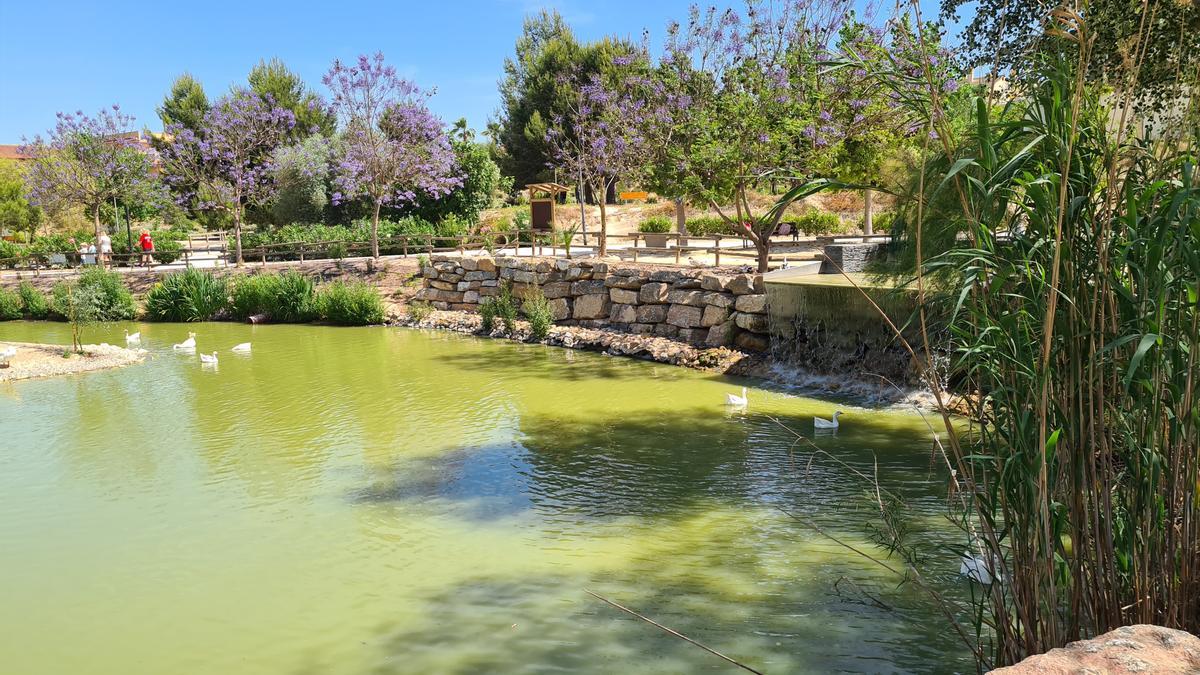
(697, 307)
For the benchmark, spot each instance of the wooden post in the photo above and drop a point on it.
(430, 242)
(717, 251)
(677, 251)
(301, 251)
(264, 256)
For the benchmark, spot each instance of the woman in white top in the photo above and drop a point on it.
(105, 250)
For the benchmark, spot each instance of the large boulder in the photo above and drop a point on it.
(652, 313)
(754, 304)
(556, 289)
(593, 287)
(623, 314)
(742, 284)
(624, 296)
(712, 282)
(714, 315)
(591, 306)
(560, 308)
(685, 316)
(752, 322)
(686, 297)
(722, 335)
(1130, 649)
(654, 292)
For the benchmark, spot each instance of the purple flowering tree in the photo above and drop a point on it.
(755, 102)
(89, 161)
(606, 135)
(393, 149)
(226, 164)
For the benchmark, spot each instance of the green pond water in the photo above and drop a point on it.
(381, 500)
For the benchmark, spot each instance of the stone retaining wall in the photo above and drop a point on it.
(694, 306)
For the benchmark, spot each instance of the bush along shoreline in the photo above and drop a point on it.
(199, 295)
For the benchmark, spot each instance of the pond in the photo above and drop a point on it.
(382, 500)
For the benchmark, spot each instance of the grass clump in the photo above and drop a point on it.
(541, 316)
(419, 311)
(191, 295)
(33, 301)
(349, 304)
(10, 305)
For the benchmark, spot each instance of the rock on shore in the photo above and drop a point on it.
(648, 347)
(1129, 649)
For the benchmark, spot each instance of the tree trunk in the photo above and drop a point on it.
(868, 225)
(763, 245)
(237, 234)
(680, 216)
(375, 230)
(96, 223)
(603, 228)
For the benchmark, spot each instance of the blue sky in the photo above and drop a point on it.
(66, 55)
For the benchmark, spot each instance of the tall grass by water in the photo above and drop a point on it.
(192, 295)
(1068, 262)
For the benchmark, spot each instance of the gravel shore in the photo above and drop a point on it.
(39, 360)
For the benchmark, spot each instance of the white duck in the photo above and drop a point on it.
(822, 423)
(133, 338)
(6, 355)
(734, 399)
(187, 344)
(210, 360)
(976, 568)
(243, 348)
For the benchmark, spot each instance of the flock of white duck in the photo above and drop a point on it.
(974, 567)
(189, 346)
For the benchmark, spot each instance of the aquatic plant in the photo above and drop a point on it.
(488, 314)
(1064, 250)
(191, 295)
(349, 304)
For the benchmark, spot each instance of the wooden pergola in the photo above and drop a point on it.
(541, 204)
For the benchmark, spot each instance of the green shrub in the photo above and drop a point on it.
(253, 294)
(8, 251)
(487, 313)
(706, 226)
(419, 311)
(506, 308)
(655, 225)
(819, 222)
(882, 222)
(10, 305)
(191, 295)
(33, 301)
(350, 304)
(541, 317)
(106, 295)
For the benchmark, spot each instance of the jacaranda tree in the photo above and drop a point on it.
(393, 148)
(755, 99)
(89, 161)
(605, 135)
(227, 164)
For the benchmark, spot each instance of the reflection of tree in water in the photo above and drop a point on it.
(547, 623)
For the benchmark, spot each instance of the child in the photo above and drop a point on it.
(147, 247)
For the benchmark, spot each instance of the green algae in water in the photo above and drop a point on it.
(390, 501)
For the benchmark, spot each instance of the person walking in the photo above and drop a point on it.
(147, 244)
(105, 250)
